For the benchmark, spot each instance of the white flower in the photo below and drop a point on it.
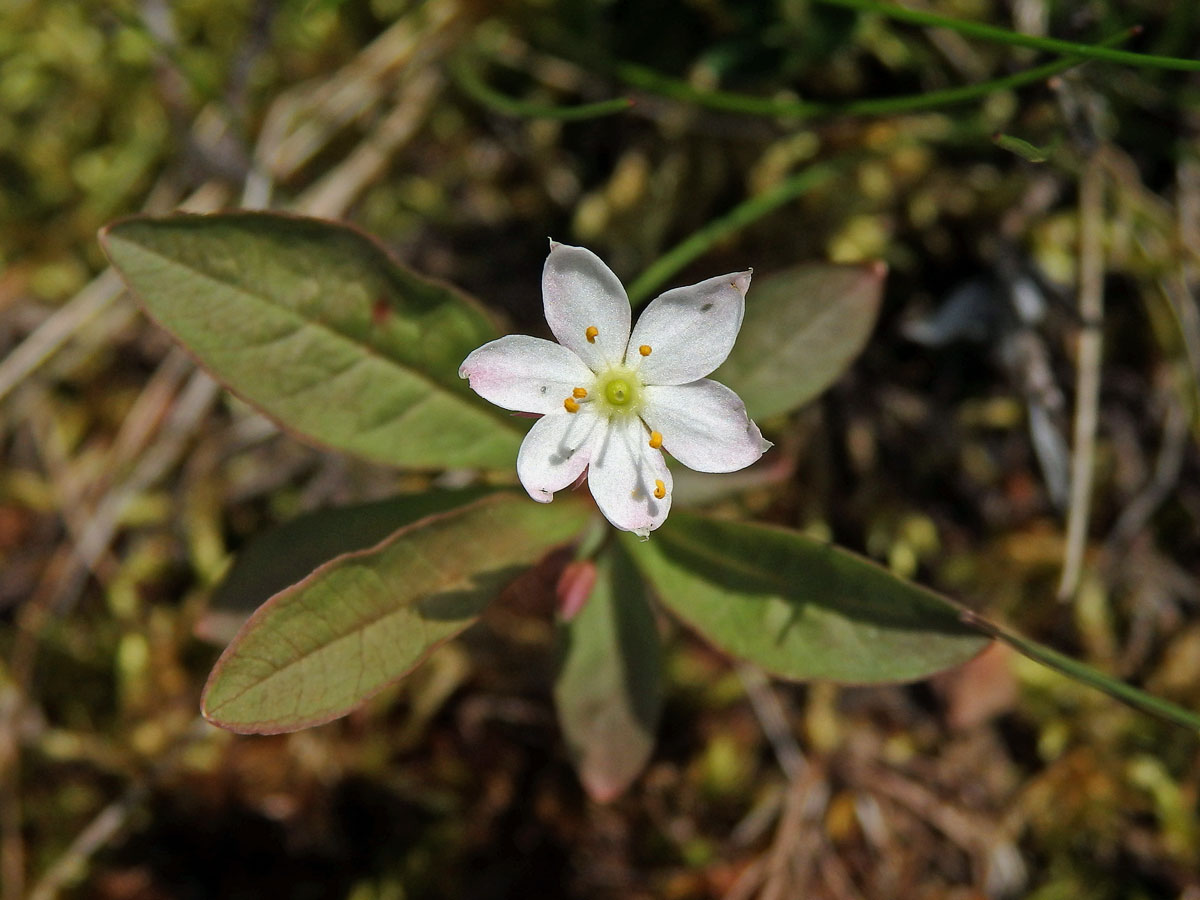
(610, 401)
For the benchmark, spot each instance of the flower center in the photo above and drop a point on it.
(619, 391)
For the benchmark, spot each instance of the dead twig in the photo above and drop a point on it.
(1161, 483)
(113, 818)
(99, 832)
(335, 191)
(45, 340)
(788, 865)
(1087, 388)
(982, 842)
(304, 120)
(773, 719)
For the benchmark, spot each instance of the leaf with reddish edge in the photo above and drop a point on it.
(280, 557)
(804, 326)
(315, 325)
(798, 607)
(360, 622)
(609, 687)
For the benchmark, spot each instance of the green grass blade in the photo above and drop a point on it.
(653, 82)
(1016, 39)
(733, 221)
(729, 101)
(477, 89)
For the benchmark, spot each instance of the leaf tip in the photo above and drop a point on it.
(104, 235)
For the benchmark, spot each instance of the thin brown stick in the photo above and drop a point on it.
(107, 823)
(797, 840)
(12, 842)
(45, 340)
(1162, 482)
(337, 190)
(1087, 388)
(773, 719)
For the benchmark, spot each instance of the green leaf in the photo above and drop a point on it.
(282, 556)
(364, 620)
(609, 688)
(803, 328)
(1022, 148)
(315, 325)
(800, 608)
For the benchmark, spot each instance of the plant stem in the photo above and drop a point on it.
(475, 87)
(1016, 39)
(744, 104)
(736, 219)
(1081, 672)
(649, 80)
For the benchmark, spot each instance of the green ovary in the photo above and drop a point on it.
(620, 391)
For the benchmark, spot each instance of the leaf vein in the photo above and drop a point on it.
(364, 347)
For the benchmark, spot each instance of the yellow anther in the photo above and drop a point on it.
(655, 440)
(591, 333)
(571, 405)
(660, 489)
(579, 393)
(644, 350)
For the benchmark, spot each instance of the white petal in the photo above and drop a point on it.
(580, 292)
(704, 425)
(689, 330)
(622, 477)
(525, 374)
(556, 451)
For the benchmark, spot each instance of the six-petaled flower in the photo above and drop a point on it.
(612, 401)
